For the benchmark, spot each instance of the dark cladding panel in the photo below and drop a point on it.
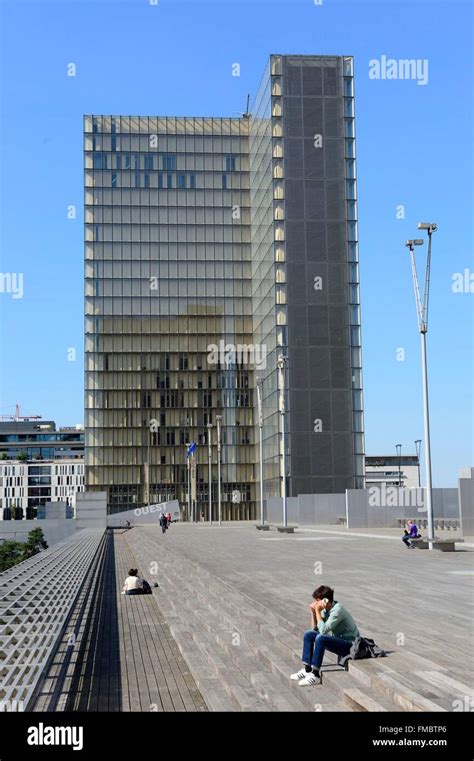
(318, 332)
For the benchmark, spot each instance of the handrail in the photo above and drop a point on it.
(36, 599)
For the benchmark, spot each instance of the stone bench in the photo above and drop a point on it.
(445, 545)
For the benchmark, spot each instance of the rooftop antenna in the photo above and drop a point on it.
(245, 114)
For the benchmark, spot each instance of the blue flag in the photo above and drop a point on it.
(191, 449)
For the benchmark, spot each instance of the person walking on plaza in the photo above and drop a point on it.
(133, 584)
(163, 523)
(334, 629)
(411, 532)
(168, 518)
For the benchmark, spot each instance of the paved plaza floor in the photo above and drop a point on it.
(414, 601)
(222, 630)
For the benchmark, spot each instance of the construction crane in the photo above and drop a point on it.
(16, 417)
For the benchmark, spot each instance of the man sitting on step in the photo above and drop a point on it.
(334, 629)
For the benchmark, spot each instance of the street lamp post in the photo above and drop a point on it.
(219, 504)
(260, 428)
(281, 363)
(418, 450)
(209, 426)
(422, 313)
(398, 447)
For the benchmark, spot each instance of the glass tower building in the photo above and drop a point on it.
(212, 245)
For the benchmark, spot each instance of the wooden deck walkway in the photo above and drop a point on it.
(117, 653)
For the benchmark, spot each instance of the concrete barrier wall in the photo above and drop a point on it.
(54, 529)
(321, 509)
(466, 501)
(145, 515)
(384, 508)
(274, 510)
(91, 509)
(307, 509)
(91, 512)
(365, 508)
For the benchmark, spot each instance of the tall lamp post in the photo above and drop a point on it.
(260, 428)
(418, 451)
(281, 364)
(422, 314)
(219, 512)
(398, 447)
(209, 426)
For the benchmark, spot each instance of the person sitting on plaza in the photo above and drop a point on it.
(133, 584)
(334, 629)
(411, 532)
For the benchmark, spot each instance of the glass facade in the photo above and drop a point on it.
(268, 254)
(204, 235)
(168, 278)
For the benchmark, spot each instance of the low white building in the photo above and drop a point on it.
(32, 483)
(392, 470)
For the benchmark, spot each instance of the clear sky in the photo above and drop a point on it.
(414, 149)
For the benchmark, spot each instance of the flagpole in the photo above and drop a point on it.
(188, 517)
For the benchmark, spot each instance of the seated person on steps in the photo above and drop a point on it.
(133, 584)
(334, 629)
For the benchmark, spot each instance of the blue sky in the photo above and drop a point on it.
(413, 148)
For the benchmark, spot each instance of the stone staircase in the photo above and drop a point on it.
(240, 653)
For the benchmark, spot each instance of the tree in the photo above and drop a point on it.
(3, 456)
(12, 553)
(23, 457)
(35, 543)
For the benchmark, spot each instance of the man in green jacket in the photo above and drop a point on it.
(334, 629)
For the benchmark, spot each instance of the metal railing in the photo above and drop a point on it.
(439, 524)
(36, 599)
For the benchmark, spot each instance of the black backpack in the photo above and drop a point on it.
(146, 589)
(363, 647)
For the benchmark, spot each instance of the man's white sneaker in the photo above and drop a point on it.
(309, 680)
(299, 675)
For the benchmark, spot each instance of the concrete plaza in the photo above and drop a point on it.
(229, 589)
(223, 627)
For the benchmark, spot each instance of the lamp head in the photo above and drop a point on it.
(428, 226)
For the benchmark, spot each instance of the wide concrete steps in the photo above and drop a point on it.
(402, 682)
(218, 667)
(241, 654)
